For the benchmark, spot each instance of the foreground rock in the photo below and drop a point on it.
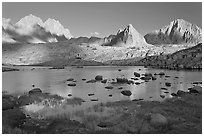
(195, 89)
(35, 91)
(157, 119)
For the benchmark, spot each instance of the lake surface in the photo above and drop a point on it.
(54, 82)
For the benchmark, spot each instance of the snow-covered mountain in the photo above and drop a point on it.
(32, 29)
(178, 31)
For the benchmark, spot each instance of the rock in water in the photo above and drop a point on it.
(137, 74)
(71, 84)
(99, 78)
(168, 84)
(126, 92)
(157, 119)
(109, 87)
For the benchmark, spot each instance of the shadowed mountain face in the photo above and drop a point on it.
(31, 29)
(177, 32)
(190, 58)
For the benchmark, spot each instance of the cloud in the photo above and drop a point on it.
(95, 33)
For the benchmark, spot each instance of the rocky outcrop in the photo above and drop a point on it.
(178, 31)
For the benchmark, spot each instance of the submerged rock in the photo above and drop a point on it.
(99, 78)
(126, 92)
(91, 81)
(70, 79)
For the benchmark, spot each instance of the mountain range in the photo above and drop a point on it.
(32, 42)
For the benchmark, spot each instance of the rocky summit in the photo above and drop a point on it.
(31, 29)
(178, 31)
(127, 37)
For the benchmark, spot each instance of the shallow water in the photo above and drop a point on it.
(54, 82)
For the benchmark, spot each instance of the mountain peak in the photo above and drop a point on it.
(30, 20)
(128, 37)
(178, 31)
(55, 27)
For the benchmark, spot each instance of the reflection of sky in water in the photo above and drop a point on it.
(54, 81)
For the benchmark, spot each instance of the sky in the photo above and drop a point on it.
(104, 18)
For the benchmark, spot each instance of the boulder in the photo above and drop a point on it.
(120, 88)
(35, 91)
(137, 74)
(195, 89)
(99, 78)
(126, 92)
(157, 119)
(71, 84)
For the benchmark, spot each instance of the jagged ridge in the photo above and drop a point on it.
(178, 31)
